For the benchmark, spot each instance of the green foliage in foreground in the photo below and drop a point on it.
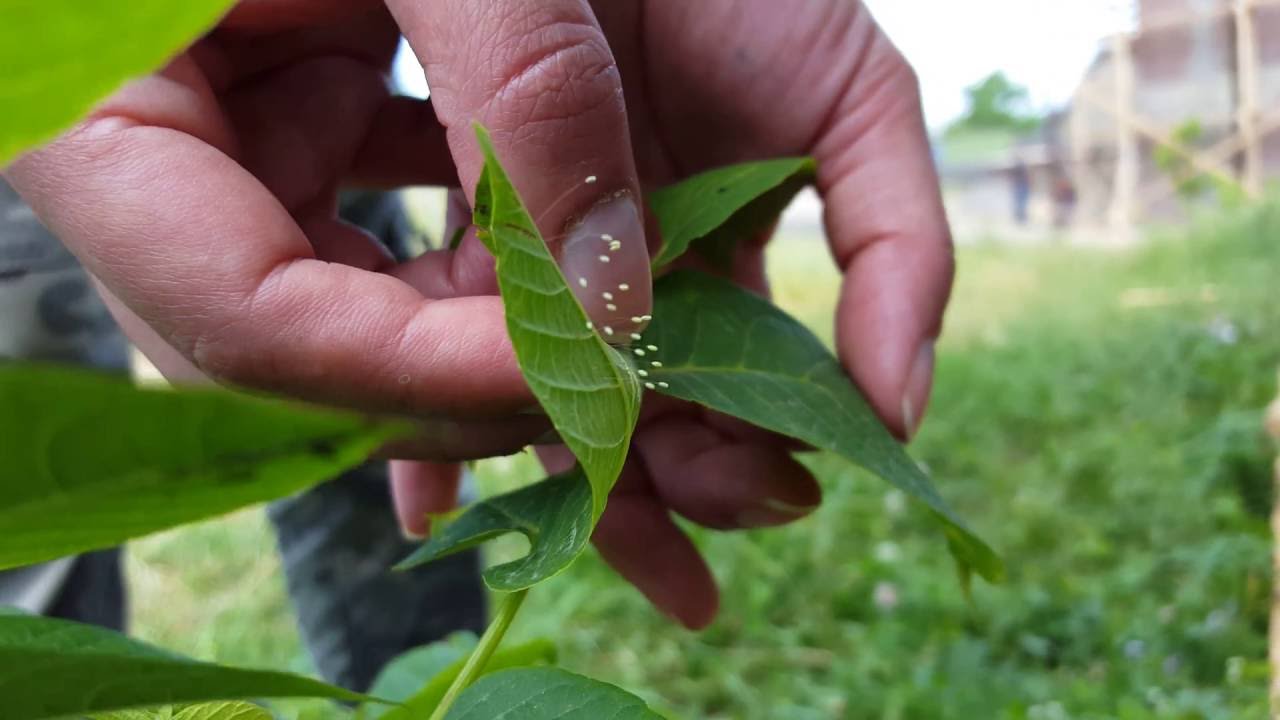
(89, 460)
(1096, 414)
(61, 58)
(547, 694)
(53, 668)
(420, 678)
(206, 711)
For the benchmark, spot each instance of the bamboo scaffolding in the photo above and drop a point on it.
(1178, 19)
(1247, 96)
(1125, 185)
(1144, 127)
(1219, 155)
(1127, 197)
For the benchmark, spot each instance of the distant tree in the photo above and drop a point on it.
(997, 103)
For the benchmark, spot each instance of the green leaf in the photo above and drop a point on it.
(719, 207)
(60, 58)
(204, 711)
(554, 514)
(163, 713)
(52, 668)
(404, 675)
(89, 460)
(588, 389)
(547, 694)
(723, 347)
(434, 678)
(223, 711)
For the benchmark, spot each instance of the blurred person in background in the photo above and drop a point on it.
(1064, 193)
(1020, 183)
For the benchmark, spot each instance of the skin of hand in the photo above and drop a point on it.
(203, 199)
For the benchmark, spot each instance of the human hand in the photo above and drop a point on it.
(718, 82)
(202, 198)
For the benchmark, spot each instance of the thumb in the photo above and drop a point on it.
(542, 78)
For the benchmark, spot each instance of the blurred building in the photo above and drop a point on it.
(1180, 107)
(981, 175)
(1181, 73)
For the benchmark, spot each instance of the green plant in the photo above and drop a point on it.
(996, 103)
(1107, 444)
(178, 456)
(59, 61)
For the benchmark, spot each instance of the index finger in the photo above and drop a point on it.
(542, 78)
(196, 246)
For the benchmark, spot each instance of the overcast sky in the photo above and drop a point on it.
(1043, 44)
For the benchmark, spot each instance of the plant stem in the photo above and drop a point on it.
(484, 650)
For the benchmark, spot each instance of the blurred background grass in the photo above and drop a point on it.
(1097, 417)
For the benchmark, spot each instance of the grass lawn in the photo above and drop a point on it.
(1097, 418)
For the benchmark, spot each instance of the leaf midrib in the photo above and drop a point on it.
(935, 502)
(737, 369)
(159, 473)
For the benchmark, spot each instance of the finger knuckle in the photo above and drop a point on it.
(219, 357)
(907, 76)
(890, 72)
(243, 343)
(563, 72)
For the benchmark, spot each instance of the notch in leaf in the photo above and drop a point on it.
(554, 514)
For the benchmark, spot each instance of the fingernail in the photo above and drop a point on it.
(915, 395)
(770, 512)
(410, 535)
(606, 263)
